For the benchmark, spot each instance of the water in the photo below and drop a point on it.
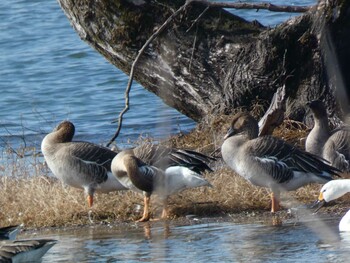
(48, 74)
(200, 242)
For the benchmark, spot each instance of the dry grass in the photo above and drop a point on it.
(29, 195)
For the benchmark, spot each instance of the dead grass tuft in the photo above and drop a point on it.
(36, 199)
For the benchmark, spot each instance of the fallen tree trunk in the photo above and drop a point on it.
(209, 61)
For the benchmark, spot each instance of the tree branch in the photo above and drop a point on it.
(258, 6)
(268, 6)
(131, 76)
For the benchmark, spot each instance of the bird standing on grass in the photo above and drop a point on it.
(155, 169)
(79, 164)
(270, 162)
(333, 146)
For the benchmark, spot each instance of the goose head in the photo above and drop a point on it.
(64, 132)
(243, 123)
(318, 109)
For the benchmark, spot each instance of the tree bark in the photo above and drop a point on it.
(212, 62)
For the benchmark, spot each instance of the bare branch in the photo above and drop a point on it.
(257, 6)
(131, 76)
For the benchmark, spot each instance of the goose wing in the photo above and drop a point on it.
(8, 231)
(281, 159)
(337, 148)
(9, 249)
(91, 160)
(164, 157)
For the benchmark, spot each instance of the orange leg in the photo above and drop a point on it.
(275, 202)
(90, 200)
(146, 214)
(165, 209)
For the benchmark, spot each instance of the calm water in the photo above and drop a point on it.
(201, 242)
(48, 74)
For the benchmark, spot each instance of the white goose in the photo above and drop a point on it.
(9, 232)
(270, 162)
(159, 170)
(333, 146)
(331, 191)
(79, 164)
(24, 250)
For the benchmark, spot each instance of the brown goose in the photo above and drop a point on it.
(270, 162)
(79, 164)
(333, 146)
(159, 170)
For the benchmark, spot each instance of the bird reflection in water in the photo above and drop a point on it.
(147, 227)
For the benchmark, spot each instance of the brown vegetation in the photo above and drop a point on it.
(36, 199)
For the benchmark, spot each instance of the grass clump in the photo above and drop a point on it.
(30, 195)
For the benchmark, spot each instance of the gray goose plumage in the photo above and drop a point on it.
(155, 169)
(9, 232)
(270, 162)
(24, 250)
(79, 164)
(333, 146)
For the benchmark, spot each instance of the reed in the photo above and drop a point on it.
(30, 195)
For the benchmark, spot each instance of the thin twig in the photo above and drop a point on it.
(131, 76)
(193, 48)
(196, 20)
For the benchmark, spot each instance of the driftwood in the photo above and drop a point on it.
(211, 61)
(274, 115)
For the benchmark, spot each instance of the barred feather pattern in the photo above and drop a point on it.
(91, 160)
(163, 157)
(337, 149)
(282, 159)
(30, 250)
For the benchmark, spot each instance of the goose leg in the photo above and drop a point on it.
(90, 200)
(146, 214)
(165, 209)
(275, 202)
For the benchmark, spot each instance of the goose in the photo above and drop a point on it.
(344, 224)
(331, 191)
(270, 162)
(24, 250)
(79, 164)
(154, 169)
(9, 232)
(333, 146)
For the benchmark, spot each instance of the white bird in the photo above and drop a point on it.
(270, 162)
(333, 146)
(24, 250)
(331, 191)
(79, 164)
(9, 232)
(159, 170)
(344, 224)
